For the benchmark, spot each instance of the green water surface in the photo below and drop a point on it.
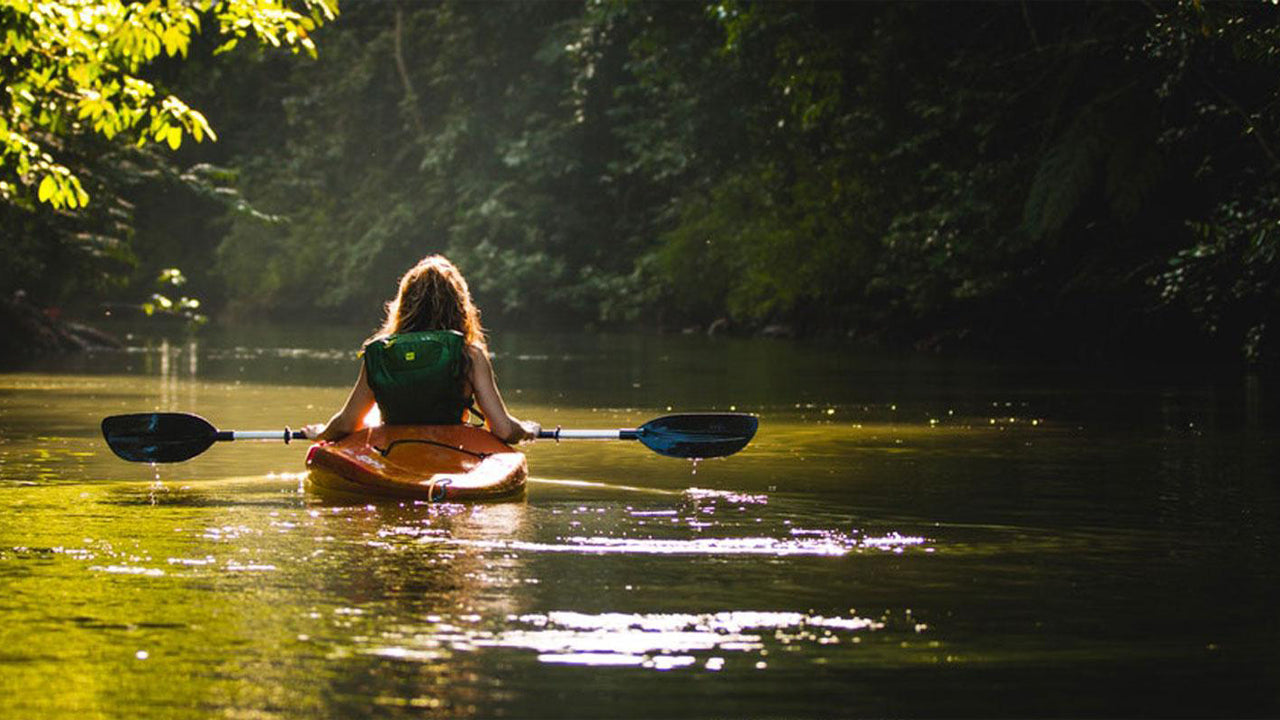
(906, 536)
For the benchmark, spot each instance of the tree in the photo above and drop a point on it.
(1061, 177)
(84, 114)
(76, 66)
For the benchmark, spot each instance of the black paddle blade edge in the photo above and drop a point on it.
(158, 437)
(698, 435)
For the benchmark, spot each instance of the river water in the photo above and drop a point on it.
(905, 536)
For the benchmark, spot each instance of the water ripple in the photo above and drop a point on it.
(823, 543)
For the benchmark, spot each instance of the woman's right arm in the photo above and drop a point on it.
(485, 386)
(347, 420)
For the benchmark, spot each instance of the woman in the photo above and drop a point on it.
(428, 364)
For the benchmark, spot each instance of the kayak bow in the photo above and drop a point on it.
(436, 463)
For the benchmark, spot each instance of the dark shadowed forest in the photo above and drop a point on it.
(1071, 179)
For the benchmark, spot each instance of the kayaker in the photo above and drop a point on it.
(428, 364)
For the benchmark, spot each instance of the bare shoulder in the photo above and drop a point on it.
(478, 357)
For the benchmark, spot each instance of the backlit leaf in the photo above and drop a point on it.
(48, 186)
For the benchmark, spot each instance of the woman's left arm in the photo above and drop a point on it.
(501, 423)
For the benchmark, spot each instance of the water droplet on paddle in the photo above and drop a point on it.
(694, 462)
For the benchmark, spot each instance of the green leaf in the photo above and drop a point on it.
(81, 196)
(48, 187)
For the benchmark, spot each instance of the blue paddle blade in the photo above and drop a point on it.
(698, 435)
(158, 437)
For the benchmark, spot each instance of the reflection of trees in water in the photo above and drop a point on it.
(412, 606)
(177, 365)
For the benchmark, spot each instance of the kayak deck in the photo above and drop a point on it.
(435, 463)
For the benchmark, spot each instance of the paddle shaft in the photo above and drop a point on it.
(557, 434)
(562, 434)
(286, 435)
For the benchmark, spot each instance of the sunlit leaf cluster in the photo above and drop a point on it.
(70, 67)
(161, 302)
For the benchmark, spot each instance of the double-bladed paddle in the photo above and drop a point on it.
(174, 437)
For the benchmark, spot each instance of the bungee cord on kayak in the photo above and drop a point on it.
(403, 441)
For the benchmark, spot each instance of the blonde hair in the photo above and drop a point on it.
(433, 295)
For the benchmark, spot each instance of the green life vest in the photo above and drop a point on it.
(417, 377)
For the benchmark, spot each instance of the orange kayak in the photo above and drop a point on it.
(435, 463)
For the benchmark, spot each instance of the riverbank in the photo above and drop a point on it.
(27, 331)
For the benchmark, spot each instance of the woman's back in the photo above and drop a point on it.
(418, 378)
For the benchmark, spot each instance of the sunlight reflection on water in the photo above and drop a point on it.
(658, 641)
(828, 543)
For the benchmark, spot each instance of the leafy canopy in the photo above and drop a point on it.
(69, 67)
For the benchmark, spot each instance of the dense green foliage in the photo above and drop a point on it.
(1096, 177)
(75, 95)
